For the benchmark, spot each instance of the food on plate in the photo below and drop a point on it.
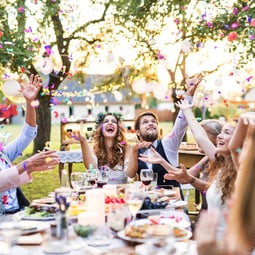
(35, 212)
(136, 231)
(158, 226)
(145, 230)
(179, 233)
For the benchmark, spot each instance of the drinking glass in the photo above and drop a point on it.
(103, 177)
(92, 176)
(146, 176)
(134, 199)
(78, 180)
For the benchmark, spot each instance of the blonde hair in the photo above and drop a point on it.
(241, 227)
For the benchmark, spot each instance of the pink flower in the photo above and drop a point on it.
(235, 11)
(210, 24)
(234, 25)
(21, 9)
(253, 23)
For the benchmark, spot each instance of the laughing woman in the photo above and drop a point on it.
(110, 147)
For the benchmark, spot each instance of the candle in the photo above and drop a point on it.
(88, 218)
(110, 190)
(95, 203)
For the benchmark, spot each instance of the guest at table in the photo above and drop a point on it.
(222, 172)
(14, 149)
(22, 173)
(213, 129)
(110, 147)
(239, 237)
(146, 127)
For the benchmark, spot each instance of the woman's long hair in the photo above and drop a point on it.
(119, 145)
(227, 175)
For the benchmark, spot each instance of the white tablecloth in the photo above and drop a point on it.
(72, 156)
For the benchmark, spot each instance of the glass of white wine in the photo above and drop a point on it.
(78, 180)
(134, 199)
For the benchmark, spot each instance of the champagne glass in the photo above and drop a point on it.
(103, 177)
(146, 176)
(134, 199)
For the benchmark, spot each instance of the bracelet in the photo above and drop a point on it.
(192, 180)
(25, 166)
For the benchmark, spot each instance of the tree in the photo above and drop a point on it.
(71, 34)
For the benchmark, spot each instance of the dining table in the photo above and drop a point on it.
(37, 244)
(40, 237)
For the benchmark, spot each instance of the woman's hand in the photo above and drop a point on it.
(31, 90)
(248, 118)
(192, 83)
(180, 174)
(184, 105)
(139, 145)
(76, 135)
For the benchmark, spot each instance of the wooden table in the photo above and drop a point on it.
(189, 157)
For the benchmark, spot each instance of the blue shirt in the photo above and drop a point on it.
(9, 153)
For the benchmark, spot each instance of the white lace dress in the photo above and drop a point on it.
(117, 175)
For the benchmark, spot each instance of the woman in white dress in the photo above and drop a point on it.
(110, 147)
(221, 170)
(239, 237)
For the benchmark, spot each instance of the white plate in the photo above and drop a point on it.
(179, 203)
(36, 217)
(166, 192)
(121, 234)
(173, 221)
(182, 224)
(26, 227)
(32, 227)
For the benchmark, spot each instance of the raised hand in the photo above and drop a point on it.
(192, 83)
(184, 104)
(31, 90)
(248, 118)
(140, 145)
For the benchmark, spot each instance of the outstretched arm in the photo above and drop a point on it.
(30, 92)
(85, 149)
(237, 140)
(184, 177)
(198, 132)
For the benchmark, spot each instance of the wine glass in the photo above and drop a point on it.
(146, 176)
(103, 177)
(134, 199)
(78, 181)
(92, 176)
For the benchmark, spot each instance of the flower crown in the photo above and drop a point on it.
(101, 116)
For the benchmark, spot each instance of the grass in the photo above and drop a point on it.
(46, 181)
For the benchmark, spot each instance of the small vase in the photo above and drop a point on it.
(62, 226)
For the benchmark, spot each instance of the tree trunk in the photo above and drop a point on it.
(43, 119)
